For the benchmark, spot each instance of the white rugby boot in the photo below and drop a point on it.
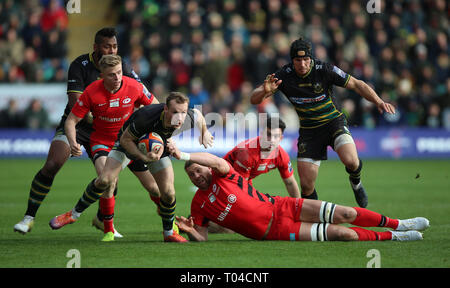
(418, 224)
(25, 225)
(406, 235)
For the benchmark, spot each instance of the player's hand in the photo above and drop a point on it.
(173, 149)
(185, 224)
(207, 139)
(75, 149)
(154, 155)
(271, 84)
(386, 107)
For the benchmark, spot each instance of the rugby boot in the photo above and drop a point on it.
(360, 194)
(406, 235)
(99, 225)
(62, 220)
(175, 237)
(418, 223)
(24, 226)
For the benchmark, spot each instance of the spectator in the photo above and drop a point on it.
(11, 116)
(36, 117)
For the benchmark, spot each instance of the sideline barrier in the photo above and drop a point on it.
(380, 143)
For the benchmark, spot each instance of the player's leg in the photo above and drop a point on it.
(42, 182)
(140, 170)
(163, 174)
(345, 147)
(308, 169)
(322, 213)
(94, 190)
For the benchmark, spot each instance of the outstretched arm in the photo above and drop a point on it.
(265, 90)
(203, 158)
(369, 94)
(195, 232)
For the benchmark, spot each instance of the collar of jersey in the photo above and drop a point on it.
(91, 58)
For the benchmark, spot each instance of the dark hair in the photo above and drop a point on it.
(107, 32)
(188, 164)
(275, 122)
(301, 45)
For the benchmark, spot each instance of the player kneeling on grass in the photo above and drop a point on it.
(228, 199)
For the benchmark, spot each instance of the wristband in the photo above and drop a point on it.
(185, 156)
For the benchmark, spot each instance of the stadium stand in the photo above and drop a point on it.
(217, 51)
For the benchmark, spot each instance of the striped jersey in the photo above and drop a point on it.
(311, 94)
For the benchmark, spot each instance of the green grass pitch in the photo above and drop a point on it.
(399, 189)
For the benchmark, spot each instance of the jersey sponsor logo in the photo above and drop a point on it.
(299, 100)
(101, 104)
(126, 101)
(211, 197)
(224, 213)
(271, 166)
(262, 167)
(114, 103)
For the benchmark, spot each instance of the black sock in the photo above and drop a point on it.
(355, 176)
(312, 196)
(40, 186)
(167, 213)
(90, 196)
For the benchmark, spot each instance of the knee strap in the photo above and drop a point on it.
(326, 212)
(319, 232)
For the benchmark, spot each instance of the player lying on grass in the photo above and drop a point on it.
(164, 119)
(259, 155)
(227, 198)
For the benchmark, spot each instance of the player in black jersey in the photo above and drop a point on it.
(82, 72)
(308, 84)
(164, 119)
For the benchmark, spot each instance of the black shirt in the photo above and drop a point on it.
(311, 94)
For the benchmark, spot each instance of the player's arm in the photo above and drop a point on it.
(69, 127)
(218, 164)
(369, 94)
(265, 90)
(206, 139)
(292, 187)
(128, 142)
(195, 232)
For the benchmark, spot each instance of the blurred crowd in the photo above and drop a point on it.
(218, 51)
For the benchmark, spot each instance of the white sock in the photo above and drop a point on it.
(75, 214)
(168, 232)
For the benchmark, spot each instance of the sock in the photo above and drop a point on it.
(107, 207)
(99, 210)
(90, 195)
(367, 218)
(355, 176)
(40, 186)
(312, 196)
(155, 199)
(167, 213)
(369, 235)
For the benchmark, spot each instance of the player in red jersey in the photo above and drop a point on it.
(111, 100)
(261, 154)
(227, 198)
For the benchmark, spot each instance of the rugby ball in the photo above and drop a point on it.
(150, 142)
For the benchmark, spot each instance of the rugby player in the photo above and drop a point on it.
(261, 154)
(82, 72)
(228, 199)
(164, 119)
(111, 101)
(308, 84)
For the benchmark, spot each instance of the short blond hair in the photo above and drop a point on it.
(109, 61)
